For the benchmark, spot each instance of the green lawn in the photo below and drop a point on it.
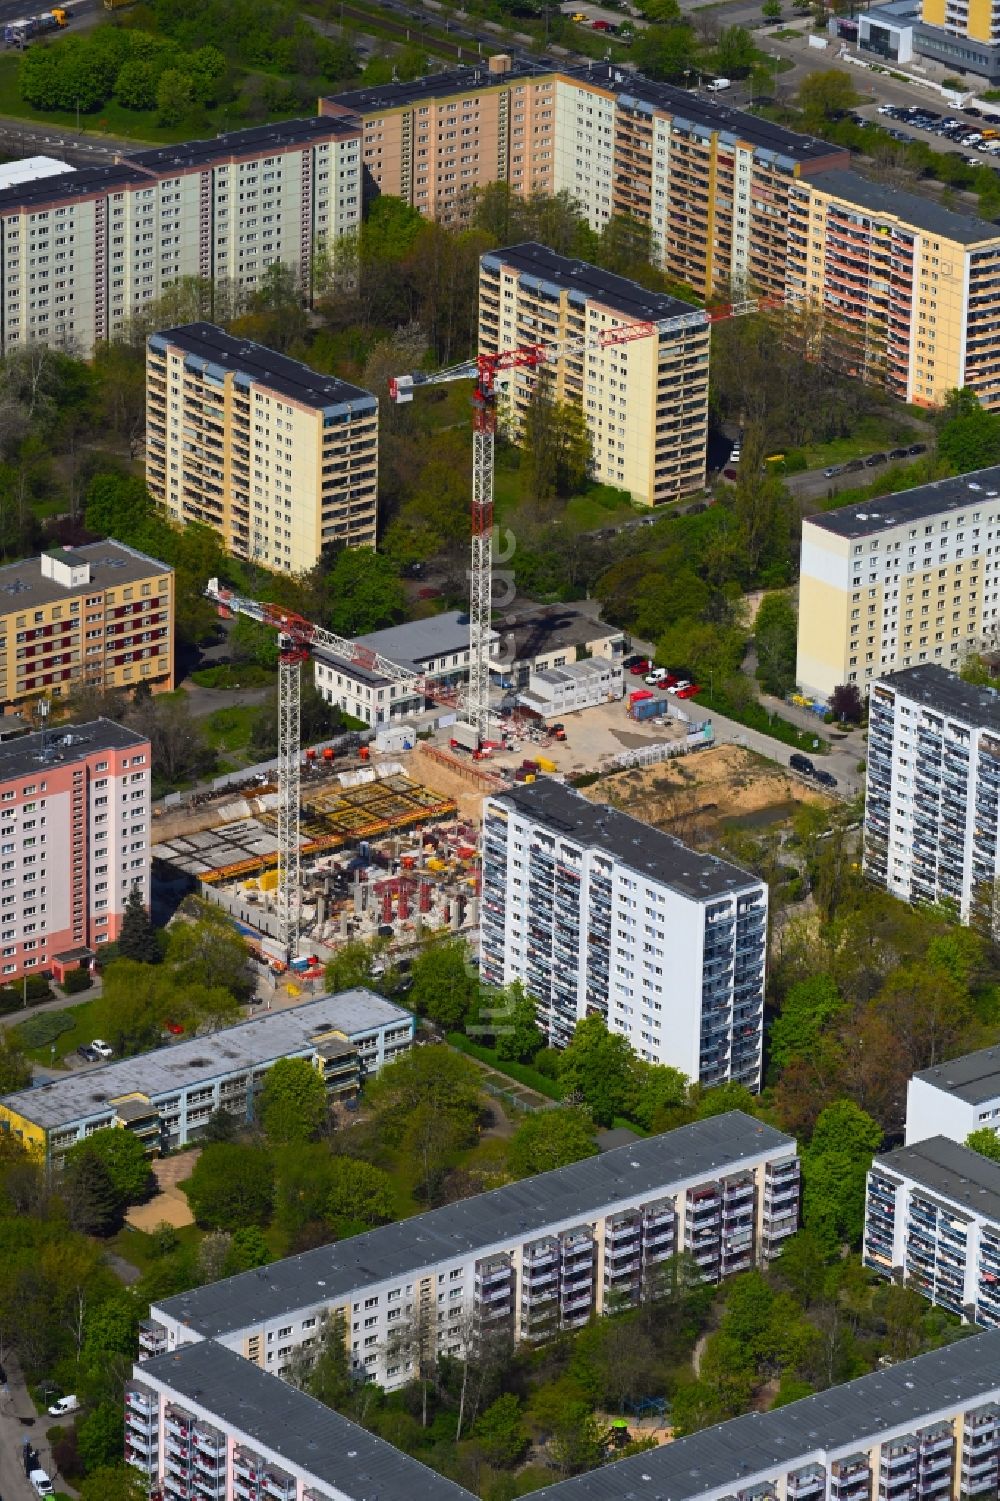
(598, 506)
(82, 1030)
(874, 433)
(140, 1249)
(229, 729)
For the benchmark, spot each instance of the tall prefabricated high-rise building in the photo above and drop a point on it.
(74, 841)
(932, 800)
(899, 581)
(597, 914)
(84, 252)
(280, 460)
(645, 401)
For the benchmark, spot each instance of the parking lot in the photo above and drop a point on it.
(875, 460)
(973, 134)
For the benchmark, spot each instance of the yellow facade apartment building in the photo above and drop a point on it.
(101, 615)
(913, 288)
(645, 401)
(279, 460)
(895, 582)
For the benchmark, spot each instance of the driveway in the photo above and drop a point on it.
(18, 1421)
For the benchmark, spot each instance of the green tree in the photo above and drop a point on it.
(547, 1139)
(114, 1483)
(556, 443)
(660, 1091)
(174, 95)
(231, 1186)
(968, 435)
(775, 632)
(666, 52)
(293, 1103)
(137, 939)
(124, 1156)
(359, 1195)
(834, 1171)
(501, 1432)
(826, 94)
(986, 1142)
(15, 1068)
(364, 592)
(209, 952)
(808, 1008)
(445, 986)
(598, 1068)
(433, 1077)
(771, 10)
(352, 964)
(735, 53)
(247, 1249)
(100, 1436)
(516, 1036)
(93, 1203)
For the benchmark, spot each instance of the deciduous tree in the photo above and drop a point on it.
(547, 1139)
(293, 1102)
(231, 1186)
(124, 1156)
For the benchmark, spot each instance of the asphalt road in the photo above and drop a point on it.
(18, 1420)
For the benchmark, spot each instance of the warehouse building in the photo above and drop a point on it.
(167, 1097)
(525, 1261)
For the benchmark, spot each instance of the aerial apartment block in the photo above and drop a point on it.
(932, 1219)
(955, 1098)
(598, 914)
(932, 804)
(645, 402)
(203, 1422)
(279, 460)
(899, 581)
(83, 252)
(166, 1097)
(710, 181)
(911, 290)
(524, 1261)
(100, 615)
(74, 842)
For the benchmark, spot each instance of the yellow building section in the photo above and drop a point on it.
(31, 1136)
(979, 24)
(932, 12)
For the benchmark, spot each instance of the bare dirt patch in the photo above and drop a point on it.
(169, 1206)
(697, 797)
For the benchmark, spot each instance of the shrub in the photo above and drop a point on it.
(76, 980)
(39, 1031)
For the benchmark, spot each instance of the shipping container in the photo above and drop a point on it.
(650, 708)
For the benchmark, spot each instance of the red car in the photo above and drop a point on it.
(689, 691)
(640, 667)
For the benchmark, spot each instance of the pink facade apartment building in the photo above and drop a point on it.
(74, 841)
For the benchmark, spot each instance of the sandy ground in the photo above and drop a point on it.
(694, 796)
(169, 1206)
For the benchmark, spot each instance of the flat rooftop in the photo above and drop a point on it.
(869, 517)
(30, 754)
(290, 378)
(946, 693)
(443, 85)
(250, 142)
(412, 646)
(270, 1413)
(951, 1171)
(880, 199)
(833, 1423)
(180, 1065)
(83, 182)
(569, 815)
(30, 168)
(975, 1077)
(24, 587)
(536, 261)
(527, 634)
(515, 1211)
(708, 111)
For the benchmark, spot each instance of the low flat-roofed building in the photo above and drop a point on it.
(535, 638)
(932, 1220)
(168, 1095)
(437, 647)
(955, 1098)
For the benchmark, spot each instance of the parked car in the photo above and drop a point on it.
(658, 675)
(833, 469)
(87, 1053)
(101, 1048)
(825, 778)
(801, 763)
(853, 465)
(679, 687)
(64, 1405)
(689, 691)
(897, 453)
(917, 448)
(41, 1482)
(874, 459)
(639, 666)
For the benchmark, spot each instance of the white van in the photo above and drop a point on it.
(718, 84)
(41, 1482)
